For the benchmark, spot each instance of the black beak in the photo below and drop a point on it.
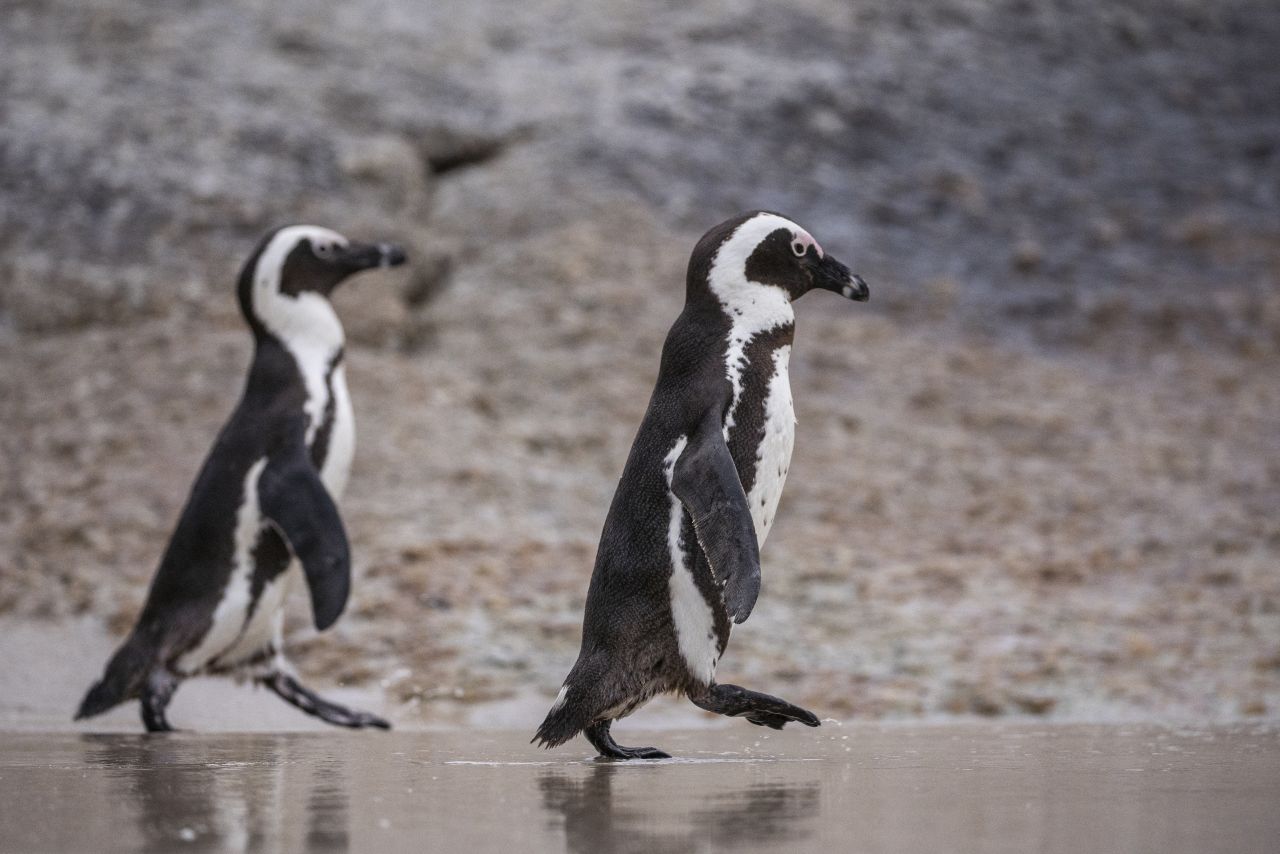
(366, 256)
(830, 275)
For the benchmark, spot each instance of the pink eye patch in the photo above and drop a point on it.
(801, 241)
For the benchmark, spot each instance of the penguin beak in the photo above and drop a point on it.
(366, 256)
(830, 275)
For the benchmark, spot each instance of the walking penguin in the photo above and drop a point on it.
(679, 557)
(265, 496)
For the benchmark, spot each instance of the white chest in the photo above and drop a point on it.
(773, 458)
(314, 363)
(342, 438)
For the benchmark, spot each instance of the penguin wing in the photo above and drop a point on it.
(293, 497)
(707, 484)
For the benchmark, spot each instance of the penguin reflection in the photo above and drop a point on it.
(327, 809)
(218, 798)
(730, 818)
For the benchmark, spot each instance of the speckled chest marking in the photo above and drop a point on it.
(765, 458)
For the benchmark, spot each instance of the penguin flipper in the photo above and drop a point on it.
(706, 482)
(294, 498)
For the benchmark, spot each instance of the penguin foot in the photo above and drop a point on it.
(759, 709)
(775, 721)
(156, 723)
(156, 695)
(296, 694)
(601, 740)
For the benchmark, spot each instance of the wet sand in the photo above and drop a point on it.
(897, 788)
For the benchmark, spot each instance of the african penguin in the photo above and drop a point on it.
(679, 557)
(265, 496)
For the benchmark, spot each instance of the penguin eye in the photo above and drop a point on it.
(322, 250)
(799, 248)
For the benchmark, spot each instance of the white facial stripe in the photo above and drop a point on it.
(690, 612)
(306, 323)
(307, 315)
(752, 307)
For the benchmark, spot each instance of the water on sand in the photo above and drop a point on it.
(852, 788)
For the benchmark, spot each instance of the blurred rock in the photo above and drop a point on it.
(431, 275)
(1027, 255)
(388, 161)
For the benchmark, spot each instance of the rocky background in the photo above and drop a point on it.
(1039, 474)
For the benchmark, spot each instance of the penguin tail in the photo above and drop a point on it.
(121, 681)
(563, 722)
(577, 704)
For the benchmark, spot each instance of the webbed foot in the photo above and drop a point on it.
(295, 693)
(601, 740)
(760, 709)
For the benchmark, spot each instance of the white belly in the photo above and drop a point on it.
(267, 623)
(228, 616)
(342, 438)
(690, 613)
(773, 459)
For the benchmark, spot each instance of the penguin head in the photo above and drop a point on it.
(765, 256)
(286, 283)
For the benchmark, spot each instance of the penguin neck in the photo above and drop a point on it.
(753, 309)
(305, 323)
(309, 330)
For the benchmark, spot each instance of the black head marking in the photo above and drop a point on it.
(315, 265)
(775, 262)
(784, 256)
(299, 259)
